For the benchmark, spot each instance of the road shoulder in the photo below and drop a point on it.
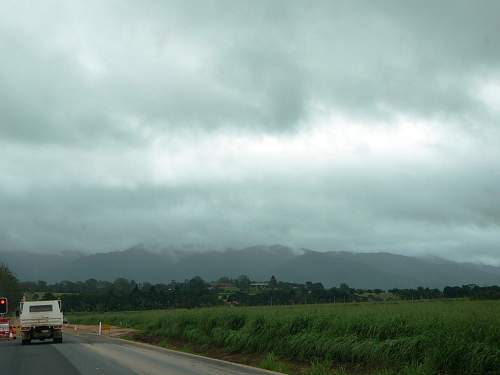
(232, 366)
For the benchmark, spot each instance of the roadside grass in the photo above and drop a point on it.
(324, 368)
(445, 337)
(273, 363)
(407, 370)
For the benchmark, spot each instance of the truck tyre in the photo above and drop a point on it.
(58, 340)
(26, 342)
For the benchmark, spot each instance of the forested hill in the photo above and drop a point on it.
(359, 270)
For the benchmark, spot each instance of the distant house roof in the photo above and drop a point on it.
(259, 284)
(223, 285)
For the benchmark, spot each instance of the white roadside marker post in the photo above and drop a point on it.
(100, 329)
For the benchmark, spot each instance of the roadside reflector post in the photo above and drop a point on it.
(100, 329)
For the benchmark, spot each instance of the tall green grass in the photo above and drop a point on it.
(450, 337)
(273, 363)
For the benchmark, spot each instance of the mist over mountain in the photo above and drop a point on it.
(360, 270)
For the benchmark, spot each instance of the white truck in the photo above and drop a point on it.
(41, 320)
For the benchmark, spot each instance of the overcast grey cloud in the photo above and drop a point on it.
(333, 125)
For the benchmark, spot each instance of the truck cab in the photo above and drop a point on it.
(40, 320)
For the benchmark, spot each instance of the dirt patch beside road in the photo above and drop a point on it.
(107, 330)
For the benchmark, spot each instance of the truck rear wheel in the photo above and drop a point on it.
(26, 342)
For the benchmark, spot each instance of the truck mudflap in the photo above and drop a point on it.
(26, 337)
(58, 336)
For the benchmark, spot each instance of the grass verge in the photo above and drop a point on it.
(438, 337)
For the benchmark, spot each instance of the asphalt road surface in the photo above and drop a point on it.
(89, 354)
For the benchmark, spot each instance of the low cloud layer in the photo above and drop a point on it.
(336, 125)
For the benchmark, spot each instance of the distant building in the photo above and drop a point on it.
(262, 285)
(223, 285)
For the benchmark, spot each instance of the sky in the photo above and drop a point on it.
(328, 125)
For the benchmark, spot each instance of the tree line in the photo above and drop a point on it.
(123, 294)
(9, 285)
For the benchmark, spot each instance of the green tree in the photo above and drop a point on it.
(122, 287)
(243, 282)
(224, 280)
(273, 282)
(9, 287)
(197, 283)
(49, 297)
(42, 286)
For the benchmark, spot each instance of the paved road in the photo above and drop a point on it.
(88, 354)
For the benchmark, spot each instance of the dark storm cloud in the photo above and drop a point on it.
(75, 71)
(352, 125)
(343, 210)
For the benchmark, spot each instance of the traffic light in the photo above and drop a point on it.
(4, 305)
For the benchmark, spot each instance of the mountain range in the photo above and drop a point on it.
(360, 270)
